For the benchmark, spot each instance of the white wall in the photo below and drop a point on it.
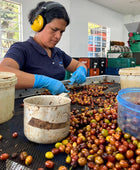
(75, 39)
(84, 11)
(131, 18)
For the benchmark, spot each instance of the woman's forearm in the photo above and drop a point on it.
(24, 80)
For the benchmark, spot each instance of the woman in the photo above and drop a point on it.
(36, 62)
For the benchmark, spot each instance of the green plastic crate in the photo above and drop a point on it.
(67, 75)
(134, 41)
(121, 62)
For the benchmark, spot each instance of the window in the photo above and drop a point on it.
(10, 25)
(98, 40)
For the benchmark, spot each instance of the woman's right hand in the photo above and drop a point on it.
(54, 86)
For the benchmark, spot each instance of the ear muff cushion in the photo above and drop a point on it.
(38, 23)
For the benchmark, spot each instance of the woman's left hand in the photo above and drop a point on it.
(79, 76)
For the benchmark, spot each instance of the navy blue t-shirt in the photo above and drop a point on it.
(32, 58)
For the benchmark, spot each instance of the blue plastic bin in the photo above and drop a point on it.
(129, 111)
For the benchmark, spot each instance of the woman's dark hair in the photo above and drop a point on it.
(58, 11)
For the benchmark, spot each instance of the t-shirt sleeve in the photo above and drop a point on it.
(18, 53)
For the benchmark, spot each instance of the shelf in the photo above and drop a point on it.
(120, 54)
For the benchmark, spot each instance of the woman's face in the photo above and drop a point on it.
(52, 32)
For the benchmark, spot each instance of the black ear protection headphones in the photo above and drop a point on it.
(38, 21)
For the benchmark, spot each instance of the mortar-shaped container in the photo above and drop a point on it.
(130, 77)
(8, 81)
(129, 111)
(46, 118)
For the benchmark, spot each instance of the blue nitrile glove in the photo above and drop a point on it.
(54, 86)
(79, 76)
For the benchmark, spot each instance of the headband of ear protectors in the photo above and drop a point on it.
(37, 23)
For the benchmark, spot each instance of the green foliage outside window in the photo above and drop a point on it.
(10, 25)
